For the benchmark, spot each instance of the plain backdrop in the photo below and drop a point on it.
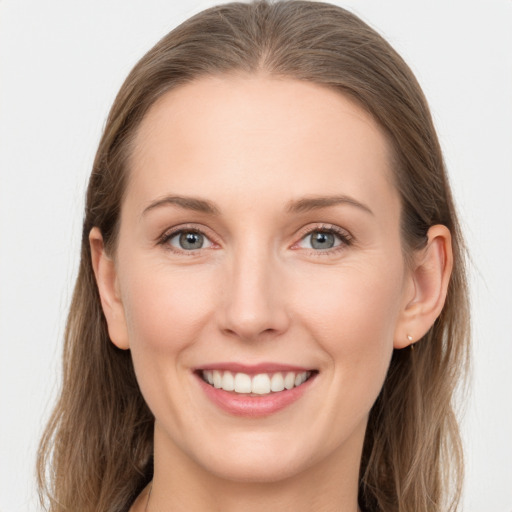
(61, 64)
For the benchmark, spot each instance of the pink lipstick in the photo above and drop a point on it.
(254, 390)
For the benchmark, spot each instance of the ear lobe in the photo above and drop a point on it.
(430, 276)
(106, 280)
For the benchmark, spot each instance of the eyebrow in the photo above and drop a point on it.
(187, 203)
(308, 204)
(302, 205)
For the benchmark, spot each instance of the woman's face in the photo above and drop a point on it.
(259, 235)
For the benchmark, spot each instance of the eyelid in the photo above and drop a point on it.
(170, 233)
(345, 237)
(177, 235)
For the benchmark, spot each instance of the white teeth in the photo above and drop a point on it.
(228, 381)
(243, 383)
(260, 384)
(300, 378)
(277, 382)
(289, 380)
(217, 378)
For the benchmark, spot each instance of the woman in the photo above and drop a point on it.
(271, 307)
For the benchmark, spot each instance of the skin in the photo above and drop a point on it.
(257, 291)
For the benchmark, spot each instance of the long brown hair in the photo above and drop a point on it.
(96, 453)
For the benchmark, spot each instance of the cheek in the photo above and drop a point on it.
(352, 314)
(165, 309)
(165, 313)
(355, 302)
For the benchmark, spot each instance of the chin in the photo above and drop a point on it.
(247, 470)
(260, 458)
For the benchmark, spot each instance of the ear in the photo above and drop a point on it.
(426, 288)
(106, 279)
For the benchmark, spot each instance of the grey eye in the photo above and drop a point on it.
(189, 241)
(322, 240)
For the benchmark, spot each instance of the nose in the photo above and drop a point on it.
(254, 299)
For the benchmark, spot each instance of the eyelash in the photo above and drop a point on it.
(168, 235)
(344, 236)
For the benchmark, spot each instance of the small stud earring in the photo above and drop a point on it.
(409, 337)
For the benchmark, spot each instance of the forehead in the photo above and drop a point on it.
(241, 137)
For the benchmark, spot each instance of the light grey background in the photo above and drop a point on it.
(61, 63)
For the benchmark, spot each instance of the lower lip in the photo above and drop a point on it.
(253, 406)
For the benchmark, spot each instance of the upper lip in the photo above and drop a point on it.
(254, 369)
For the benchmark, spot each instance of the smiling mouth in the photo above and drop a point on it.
(256, 385)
